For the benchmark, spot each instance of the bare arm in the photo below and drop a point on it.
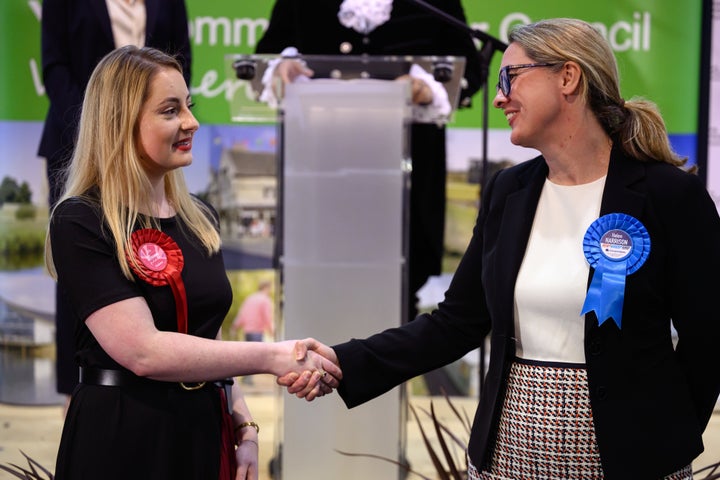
(126, 331)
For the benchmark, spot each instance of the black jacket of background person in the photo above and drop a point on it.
(75, 36)
(313, 28)
(650, 403)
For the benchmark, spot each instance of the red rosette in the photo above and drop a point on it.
(159, 263)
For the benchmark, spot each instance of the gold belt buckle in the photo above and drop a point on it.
(190, 388)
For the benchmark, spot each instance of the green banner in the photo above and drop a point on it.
(657, 46)
(22, 94)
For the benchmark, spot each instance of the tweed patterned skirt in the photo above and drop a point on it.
(546, 428)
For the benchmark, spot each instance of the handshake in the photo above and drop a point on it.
(315, 371)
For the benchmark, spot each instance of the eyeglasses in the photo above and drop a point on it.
(504, 77)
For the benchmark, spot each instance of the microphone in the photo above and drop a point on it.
(245, 69)
(443, 71)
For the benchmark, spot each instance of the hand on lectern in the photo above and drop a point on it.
(422, 94)
(287, 71)
(307, 385)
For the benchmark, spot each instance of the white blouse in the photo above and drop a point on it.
(552, 282)
(128, 19)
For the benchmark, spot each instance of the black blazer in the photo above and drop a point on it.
(650, 403)
(75, 36)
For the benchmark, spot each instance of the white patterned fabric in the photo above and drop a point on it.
(364, 16)
(546, 428)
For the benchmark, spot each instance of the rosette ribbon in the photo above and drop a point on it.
(615, 245)
(160, 262)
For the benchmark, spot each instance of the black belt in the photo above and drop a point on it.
(126, 379)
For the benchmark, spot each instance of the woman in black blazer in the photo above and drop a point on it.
(581, 261)
(75, 35)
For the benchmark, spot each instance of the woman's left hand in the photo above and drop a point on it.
(420, 91)
(246, 456)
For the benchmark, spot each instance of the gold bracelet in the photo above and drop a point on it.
(248, 424)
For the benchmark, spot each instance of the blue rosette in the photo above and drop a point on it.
(615, 245)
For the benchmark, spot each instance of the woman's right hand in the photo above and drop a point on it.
(315, 371)
(288, 70)
(307, 384)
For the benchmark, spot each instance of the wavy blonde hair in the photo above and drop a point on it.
(107, 157)
(635, 124)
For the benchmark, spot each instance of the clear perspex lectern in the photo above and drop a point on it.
(342, 242)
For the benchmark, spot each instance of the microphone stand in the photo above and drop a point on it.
(446, 17)
(489, 45)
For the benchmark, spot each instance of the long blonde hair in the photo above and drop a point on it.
(107, 160)
(635, 124)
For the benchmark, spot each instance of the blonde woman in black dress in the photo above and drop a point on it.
(140, 261)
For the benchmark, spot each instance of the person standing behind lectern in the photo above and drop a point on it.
(384, 27)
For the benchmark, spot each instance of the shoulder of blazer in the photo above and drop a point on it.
(522, 174)
(625, 171)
